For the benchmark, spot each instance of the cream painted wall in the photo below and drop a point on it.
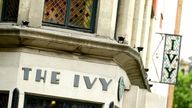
(106, 15)
(155, 101)
(32, 11)
(14, 62)
(125, 19)
(8, 72)
(141, 98)
(23, 14)
(137, 23)
(68, 68)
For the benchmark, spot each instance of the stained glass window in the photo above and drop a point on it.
(70, 13)
(10, 10)
(55, 11)
(80, 13)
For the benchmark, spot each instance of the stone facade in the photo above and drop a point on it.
(45, 60)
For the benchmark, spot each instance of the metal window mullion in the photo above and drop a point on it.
(67, 13)
(93, 15)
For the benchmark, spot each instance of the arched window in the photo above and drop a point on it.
(10, 10)
(79, 14)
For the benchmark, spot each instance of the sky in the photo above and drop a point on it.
(186, 29)
(170, 7)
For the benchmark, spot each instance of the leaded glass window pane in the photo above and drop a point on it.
(55, 11)
(10, 10)
(80, 13)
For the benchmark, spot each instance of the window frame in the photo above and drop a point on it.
(41, 97)
(4, 17)
(5, 93)
(66, 21)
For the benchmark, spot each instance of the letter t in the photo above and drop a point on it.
(26, 73)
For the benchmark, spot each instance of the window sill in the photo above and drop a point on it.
(65, 30)
(2, 23)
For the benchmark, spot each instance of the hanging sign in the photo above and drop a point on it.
(171, 58)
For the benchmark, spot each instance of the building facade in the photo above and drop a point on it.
(76, 54)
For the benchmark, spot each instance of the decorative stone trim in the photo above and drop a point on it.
(126, 57)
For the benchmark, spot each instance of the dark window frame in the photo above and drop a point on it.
(67, 16)
(5, 93)
(29, 96)
(4, 17)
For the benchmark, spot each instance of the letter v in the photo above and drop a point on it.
(171, 59)
(88, 82)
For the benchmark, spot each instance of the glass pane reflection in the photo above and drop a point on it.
(44, 102)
